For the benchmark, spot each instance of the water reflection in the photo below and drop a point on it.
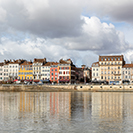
(66, 112)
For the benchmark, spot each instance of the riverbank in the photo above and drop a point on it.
(66, 88)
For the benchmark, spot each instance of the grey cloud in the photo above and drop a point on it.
(57, 19)
(117, 9)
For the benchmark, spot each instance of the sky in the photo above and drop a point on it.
(60, 29)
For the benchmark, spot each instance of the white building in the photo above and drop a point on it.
(45, 71)
(5, 68)
(127, 73)
(95, 71)
(1, 71)
(37, 64)
(13, 69)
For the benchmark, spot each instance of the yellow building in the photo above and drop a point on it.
(25, 71)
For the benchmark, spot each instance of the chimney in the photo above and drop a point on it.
(83, 66)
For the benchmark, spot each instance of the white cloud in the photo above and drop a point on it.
(96, 36)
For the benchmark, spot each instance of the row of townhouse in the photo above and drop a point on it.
(112, 69)
(63, 71)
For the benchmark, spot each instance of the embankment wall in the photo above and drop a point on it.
(81, 87)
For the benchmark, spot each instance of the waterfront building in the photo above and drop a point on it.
(1, 71)
(127, 73)
(25, 71)
(6, 75)
(87, 74)
(79, 75)
(67, 71)
(111, 68)
(54, 72)
(13, 68)
(45, 71)
(95, 71)
(37, 64)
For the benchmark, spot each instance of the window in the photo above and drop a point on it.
(118, 67)
(55, 73)
(108, 67)
(52, 69)
(93, 69)
(55, 69)
(67, 72)
(101, 77)
(93, 74)
(52, 74)
(55, 78)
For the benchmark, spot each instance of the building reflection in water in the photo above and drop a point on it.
(107, 109)
(97, 110)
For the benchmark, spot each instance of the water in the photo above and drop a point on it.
(65, 112)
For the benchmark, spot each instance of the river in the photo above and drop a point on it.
(66, 112)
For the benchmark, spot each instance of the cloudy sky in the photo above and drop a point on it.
(80, 30)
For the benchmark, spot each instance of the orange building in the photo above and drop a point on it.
(54, 73)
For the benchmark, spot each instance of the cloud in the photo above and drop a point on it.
(116, 9)
(96, 36)
(44, 18)
(57, 29)
(29, 49)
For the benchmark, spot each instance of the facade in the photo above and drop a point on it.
(1, 71)
(67, 71)
(127, 73)
(87, 74)
(54, 73)
(13, 67)
(37, 64)
(25, 71)
(6, 75)
(95, 71)
(79, 75)
(45, 71)
(111, 68)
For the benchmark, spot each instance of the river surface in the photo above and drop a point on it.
(66, 112)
